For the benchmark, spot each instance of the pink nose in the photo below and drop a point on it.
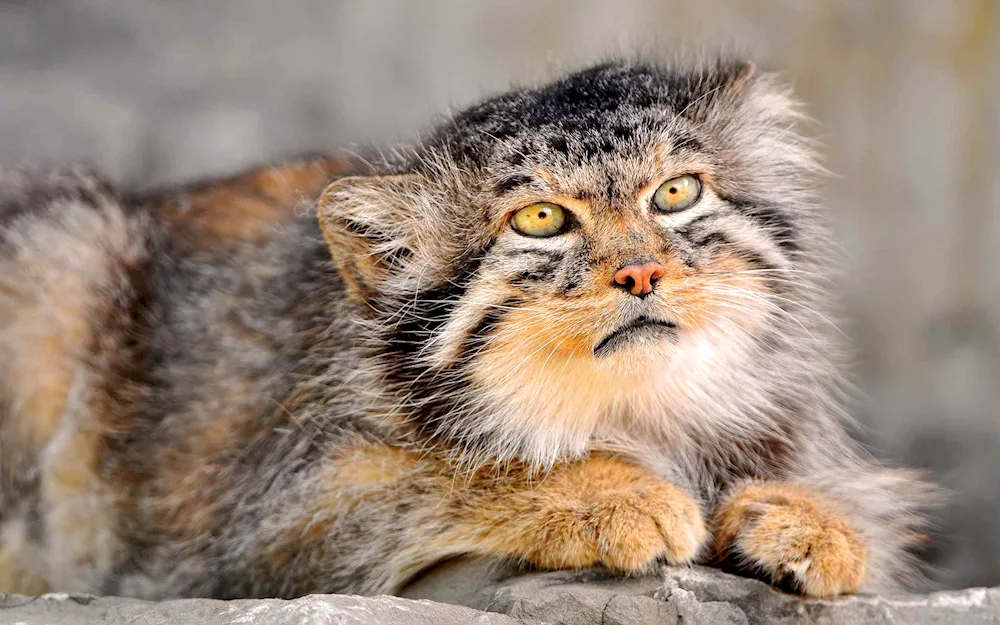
(639, 279)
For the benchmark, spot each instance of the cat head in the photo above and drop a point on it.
(628, 249)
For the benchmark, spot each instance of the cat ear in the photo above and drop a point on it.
(734, 77)
(369, 224)
(744, 73)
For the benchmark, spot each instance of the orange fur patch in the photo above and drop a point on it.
(597, 511)
(374, 471)
(246, 208)
(50, 328)
(374, 465)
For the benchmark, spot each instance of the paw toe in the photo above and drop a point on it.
(822, 557)
(682, 528)
(636, 529)
(627, 535)
(800, 542)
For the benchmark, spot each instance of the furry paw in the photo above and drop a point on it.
(635, 528)
(613, 514)
(793, 537)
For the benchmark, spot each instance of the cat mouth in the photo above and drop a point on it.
(640, 329)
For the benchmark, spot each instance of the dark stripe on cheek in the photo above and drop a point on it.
(702, 237)
(420, 321)
(718, 240)
(486, 327)
(540, 273)
(574, 277)
(780, 228)
(778, 224)
(580, 260)
(712, 239)
(753, 259)
(429, 398)
(549, 254)
(423, 315)
(689, 227)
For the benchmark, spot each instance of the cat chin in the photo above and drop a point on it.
(661, 381)
(641, 333)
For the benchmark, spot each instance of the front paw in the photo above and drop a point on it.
(635, 528)
(618, 516)
(792, 536)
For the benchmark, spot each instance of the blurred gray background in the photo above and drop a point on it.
(906, 93)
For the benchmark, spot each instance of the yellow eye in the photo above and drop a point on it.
(540, 220)
(677, 194)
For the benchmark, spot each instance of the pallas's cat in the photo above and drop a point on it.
(576, 325)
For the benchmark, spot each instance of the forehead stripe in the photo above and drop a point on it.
(511, 183)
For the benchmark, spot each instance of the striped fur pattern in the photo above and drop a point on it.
(327, 376)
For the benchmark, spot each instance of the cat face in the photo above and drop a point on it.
(616, 251)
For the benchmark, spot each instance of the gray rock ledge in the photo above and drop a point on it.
(485, 593)
(75, 609)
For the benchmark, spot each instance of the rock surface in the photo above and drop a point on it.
(495, 595)
(63, 609)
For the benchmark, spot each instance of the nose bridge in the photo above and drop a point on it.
(630, 250)
(638, 246)
(621, 241)
(637, 269)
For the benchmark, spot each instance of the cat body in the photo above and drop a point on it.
(328, 375)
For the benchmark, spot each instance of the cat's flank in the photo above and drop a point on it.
(579, 325)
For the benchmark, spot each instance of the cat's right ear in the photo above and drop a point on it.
(369, 224)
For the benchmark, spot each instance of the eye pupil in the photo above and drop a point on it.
(678, 194)
(541, 219)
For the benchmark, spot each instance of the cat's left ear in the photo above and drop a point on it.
(370, 225)
(743, 74)
(733, 78)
